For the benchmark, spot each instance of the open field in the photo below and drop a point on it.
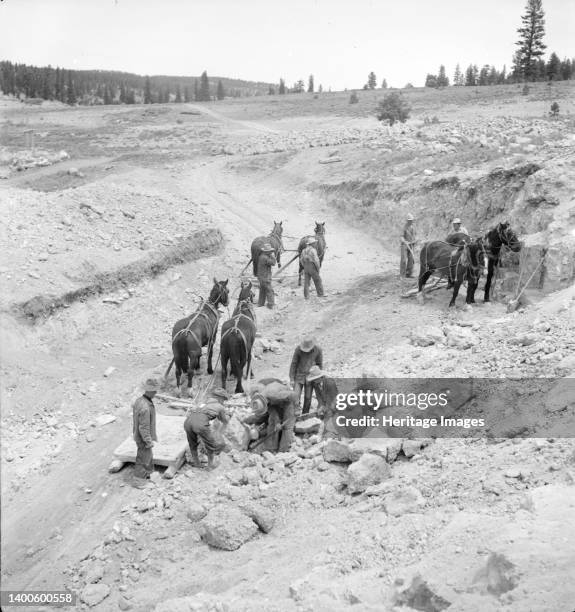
(115, 219)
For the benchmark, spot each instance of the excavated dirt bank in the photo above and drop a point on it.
(200, 244)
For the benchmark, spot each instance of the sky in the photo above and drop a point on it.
(338, 41)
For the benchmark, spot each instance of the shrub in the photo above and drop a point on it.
(525, 90)
(393, 108)
(435, 119)
(353, 99)
(554, 109)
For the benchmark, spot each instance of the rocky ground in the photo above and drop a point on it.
(103, 257)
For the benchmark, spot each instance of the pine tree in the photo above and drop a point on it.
(566, 69)
(393, 108)
(530, 41)
(196, 91)
(483, 75)
(384, 84)
(220, 93)
(70, 91)
(371, 80)
(147, 91)
(187, 96)
(271, 90)
(204, 92)
(178, 99)
(282, 87)
(553, 68)
(320, 88)
(310, 84)
(442, 78)
(107, 95)
(122, 93)
(458, 76)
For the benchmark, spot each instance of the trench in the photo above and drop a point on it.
(201, 243)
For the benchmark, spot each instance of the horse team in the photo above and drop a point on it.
(459, 259)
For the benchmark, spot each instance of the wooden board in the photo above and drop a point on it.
(170, 450)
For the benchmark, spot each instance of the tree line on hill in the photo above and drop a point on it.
(528, 63)
(91, 87)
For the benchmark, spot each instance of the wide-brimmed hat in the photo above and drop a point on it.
(267, 247)
(456, 220)
(307, 344)
(151, 385)
(314, 373)
(410, 218)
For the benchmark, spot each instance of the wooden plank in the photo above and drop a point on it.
(170, 448)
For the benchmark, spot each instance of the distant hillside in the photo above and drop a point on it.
(111, 87)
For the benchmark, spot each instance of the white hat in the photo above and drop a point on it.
(456, 220)
(410, 217)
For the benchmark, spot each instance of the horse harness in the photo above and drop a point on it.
(199, 313)
(236, 319)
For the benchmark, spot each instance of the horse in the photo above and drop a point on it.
(237, 339)
(190, 334)
(456, 262)
(274, 238)
(494, 239)
(320, 246)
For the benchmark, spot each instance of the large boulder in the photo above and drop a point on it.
(263, 517)
(368, 470)
(308, 426)
(93, 594)
(226, 527)
(460, 337)
(237, 434)
(427, 335)
(338, 451)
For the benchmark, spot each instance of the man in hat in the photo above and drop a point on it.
(266, 262)
(326, 393)
(306, 355)
(273, 403)
(408, 241)
(198, 427)
(311, 265)
(144, 429)
(458, 228)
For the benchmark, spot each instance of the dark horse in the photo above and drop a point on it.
(189, 335)
(238, 335)
(494, 239)
(320, 246)
(456, 262)
(274, 238)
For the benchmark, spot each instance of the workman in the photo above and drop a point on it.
(198, 427)
(266, 262)
(408, 240)
(310, 263)
(144, 429)
(306, 355)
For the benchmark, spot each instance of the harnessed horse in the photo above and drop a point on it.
(190, 334)
(275, 240)
(237, 339)
(494, 239)
(456, 262)
(320, 247)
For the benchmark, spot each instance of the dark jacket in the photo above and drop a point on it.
(144, 421)
(266, 262)
(409, 234)
(302, 362)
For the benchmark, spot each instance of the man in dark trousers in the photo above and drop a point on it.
(408, 241)
(311, 266)
(266, 262)
(197, 427)
(326, 393)
(306, 355)
(144, 425)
